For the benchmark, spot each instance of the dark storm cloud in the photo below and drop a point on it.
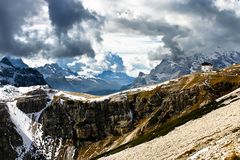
(12, 16)
(64, 14)
(221, 26)
(73, 47)
(225, 19)
(169, 32)
(209, 28)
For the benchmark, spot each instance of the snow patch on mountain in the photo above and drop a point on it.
(67, 80)
(27, 124)
(170, 68)
(9, 92)
(23, 127)
(54, 70)
(70, 96)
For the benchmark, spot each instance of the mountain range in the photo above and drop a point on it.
(15, 72)
(40, 122)
(170, 68)
(64, 79)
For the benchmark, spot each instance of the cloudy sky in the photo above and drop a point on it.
(142, 32)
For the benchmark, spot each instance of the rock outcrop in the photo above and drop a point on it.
(34, 101)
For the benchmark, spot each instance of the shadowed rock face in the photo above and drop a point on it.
(87, 124)
(9, 138)
(20, 77)
(28, 77)
(35, 103)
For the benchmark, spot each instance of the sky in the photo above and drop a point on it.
(142, 32)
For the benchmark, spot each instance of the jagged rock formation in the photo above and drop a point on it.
(170, 68)
(19, 74)
(36, 101)
(84, 126)
(16, 62)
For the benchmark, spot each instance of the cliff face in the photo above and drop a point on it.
(83, 127)
(94, 127)
(215, 135)
(9, 137)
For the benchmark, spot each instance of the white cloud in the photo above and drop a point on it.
(37, 61)
(233, 5)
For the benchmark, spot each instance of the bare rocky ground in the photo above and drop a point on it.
(216, 135)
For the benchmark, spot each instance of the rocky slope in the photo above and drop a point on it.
(170, 68)
(63, 125)
(213, 136)
(18, 74)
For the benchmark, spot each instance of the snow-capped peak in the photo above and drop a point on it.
(54, 70)
(170, 68)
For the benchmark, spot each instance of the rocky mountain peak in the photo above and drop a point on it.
(141, 74)
(6, 61)
(170, 68)
(15, 72)
(14, 61)
(54, 70)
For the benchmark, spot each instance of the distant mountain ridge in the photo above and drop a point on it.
(49, 70)
(65, 79)
(16, 62)
(15, 72)
(121, 77)
(170, 68)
